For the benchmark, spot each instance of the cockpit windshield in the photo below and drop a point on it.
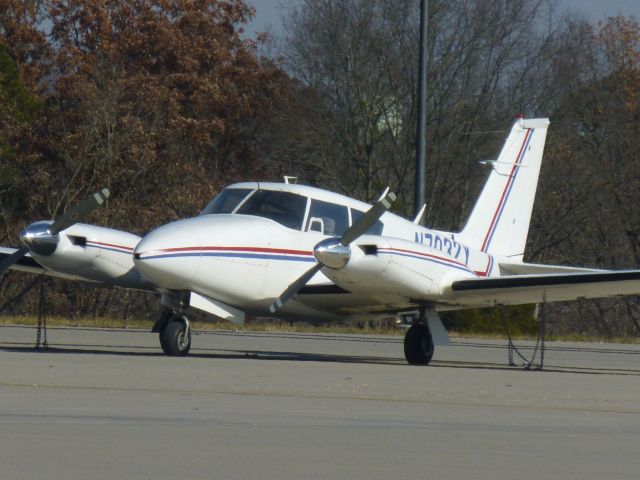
(226, 201)
(285, 208)
(288, 209)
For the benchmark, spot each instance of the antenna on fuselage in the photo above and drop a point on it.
(289, 180)
(420, 214)
(496, 162)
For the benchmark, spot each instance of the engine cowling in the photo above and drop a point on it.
(384, 266)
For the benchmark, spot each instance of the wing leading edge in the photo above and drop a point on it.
(522, 289)
(28, 264)
(25, 264)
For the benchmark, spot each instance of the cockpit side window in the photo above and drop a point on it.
(331, 218)
(285, 208)
(375, 229)
(226, 201)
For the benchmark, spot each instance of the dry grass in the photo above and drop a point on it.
(250, 326)
(84, 322)
(275, 326)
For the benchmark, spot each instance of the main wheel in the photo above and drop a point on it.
(418, 345)
(174, 341)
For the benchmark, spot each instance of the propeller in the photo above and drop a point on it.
(42, 237)
(334, 252)
(79, 212)
(13, 258)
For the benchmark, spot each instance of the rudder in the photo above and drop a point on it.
(499, 221)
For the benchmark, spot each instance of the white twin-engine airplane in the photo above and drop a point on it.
(298, 252)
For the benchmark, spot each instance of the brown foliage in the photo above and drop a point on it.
(156, 99)
(20, 32)
(160, 101)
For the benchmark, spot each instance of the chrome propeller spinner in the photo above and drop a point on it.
(38, 238)
(331, 253)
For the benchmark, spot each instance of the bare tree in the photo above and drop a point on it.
(359, 58)
(591, 178)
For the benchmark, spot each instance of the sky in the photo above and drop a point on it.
(269, 12)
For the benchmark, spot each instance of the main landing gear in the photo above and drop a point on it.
(418, 342)
(174, 332)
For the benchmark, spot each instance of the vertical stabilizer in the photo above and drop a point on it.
(499, 221)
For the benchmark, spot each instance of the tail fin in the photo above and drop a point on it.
(499, 222)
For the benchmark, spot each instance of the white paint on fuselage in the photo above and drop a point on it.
(247, 261)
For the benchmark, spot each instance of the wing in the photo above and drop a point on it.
(25, 264)
(522, 289)
(29, 264)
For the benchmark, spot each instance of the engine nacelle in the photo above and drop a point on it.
(391, 266)
(95, 254)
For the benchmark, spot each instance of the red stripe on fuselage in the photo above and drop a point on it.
(111, 245)
(488, 269)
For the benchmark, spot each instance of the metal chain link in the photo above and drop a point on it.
(41, 333)
(538, 348)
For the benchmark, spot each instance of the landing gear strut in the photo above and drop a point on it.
(174, 332)
(418, 342)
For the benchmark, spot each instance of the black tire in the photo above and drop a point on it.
(418, 345)
(160, 326)
(162, 344)
(173, 340)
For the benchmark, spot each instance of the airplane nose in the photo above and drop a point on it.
(169, 256)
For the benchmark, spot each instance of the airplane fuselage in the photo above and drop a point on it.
(247, 260)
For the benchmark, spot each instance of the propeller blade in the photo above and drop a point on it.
(294, 288)
(79, 212)
(13, 258)
(370, 217)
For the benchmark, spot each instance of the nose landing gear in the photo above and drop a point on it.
(174, 332)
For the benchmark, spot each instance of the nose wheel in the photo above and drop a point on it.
(174, 332)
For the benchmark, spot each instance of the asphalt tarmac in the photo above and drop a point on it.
(104, 404)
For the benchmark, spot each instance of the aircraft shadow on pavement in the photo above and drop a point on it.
(547, 369)
(298, 357)
(83, 349)
(106, 350)
(266, 355)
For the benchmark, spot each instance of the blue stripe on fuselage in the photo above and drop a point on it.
(233, 255)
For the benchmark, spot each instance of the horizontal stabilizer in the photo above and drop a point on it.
(520, 268)
(523, 289)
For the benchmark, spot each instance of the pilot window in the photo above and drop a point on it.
(226, 201)
(283, 207)
(327, 218)
(375, 229)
